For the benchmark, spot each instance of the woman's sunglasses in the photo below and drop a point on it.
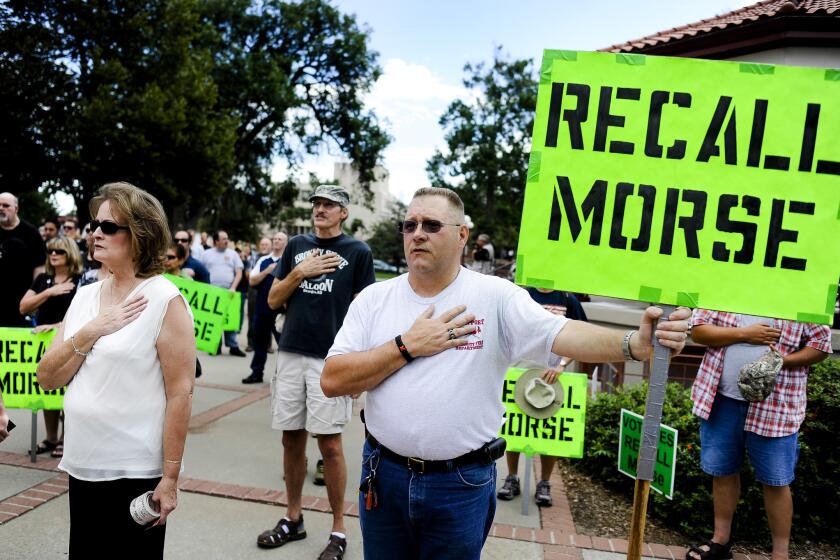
(171, 257)
(107, 227)
(429, 226)
(56, 251)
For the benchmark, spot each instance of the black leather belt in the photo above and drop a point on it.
(483, 455)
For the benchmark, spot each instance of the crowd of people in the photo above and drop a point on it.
(430, 349)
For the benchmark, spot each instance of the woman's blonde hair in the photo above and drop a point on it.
(144, 216)
(74, 256)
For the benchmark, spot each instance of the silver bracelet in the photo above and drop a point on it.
(625, 347)
(173, 461)
(76, 350)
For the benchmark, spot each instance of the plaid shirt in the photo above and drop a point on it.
(783, 411)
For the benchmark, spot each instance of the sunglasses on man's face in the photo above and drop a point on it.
(57, 252)
(428, 226)
(181, 240)
(107, 227)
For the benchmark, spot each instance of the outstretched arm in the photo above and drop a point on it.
(590, 343)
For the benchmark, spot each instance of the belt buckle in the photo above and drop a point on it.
(416, 465)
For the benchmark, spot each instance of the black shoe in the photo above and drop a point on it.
(510, 489)
(543, 494)
(237, 352)
(318, 477)
(282, 533)
(253, 378)
(335, 549)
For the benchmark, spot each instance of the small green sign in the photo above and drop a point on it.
(233, 318)
(630, 437)
(210, 306)
(20, 352)
(560, 435)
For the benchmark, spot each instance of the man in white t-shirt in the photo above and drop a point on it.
(225, 269)
(431, 347)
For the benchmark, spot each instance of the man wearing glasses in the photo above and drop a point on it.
(200, 272)
(22, 258)
(431, 347)
(317, 277)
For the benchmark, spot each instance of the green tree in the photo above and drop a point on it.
(488, 138)
(193, 100)
(386, 241)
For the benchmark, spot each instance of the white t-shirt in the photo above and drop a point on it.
(442, 406)
(114, 406)
(222, 266)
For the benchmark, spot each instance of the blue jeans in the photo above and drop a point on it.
(263, 329)
(723, 443)
(439, 515)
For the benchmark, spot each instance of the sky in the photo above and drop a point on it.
(423, 47)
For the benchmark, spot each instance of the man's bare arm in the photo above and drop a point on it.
(715, 336)
(590, 343)
(804, 358)
(313, 265)
(352, 373)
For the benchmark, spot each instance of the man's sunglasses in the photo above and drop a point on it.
(107, 227)
(182, 240)
(429, 226)
(56, 251)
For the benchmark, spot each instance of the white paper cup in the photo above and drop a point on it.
(142, 510)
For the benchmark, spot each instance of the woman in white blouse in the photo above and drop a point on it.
(126, 348)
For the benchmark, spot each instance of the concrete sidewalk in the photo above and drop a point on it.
(232, 489)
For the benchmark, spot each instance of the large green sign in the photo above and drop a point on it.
(629, 441)
(20, 352)
(688, 182)
(210, 306)
(560, 435)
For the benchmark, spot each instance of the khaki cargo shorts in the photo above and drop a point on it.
(297, 401)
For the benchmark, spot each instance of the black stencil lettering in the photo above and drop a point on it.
(709, 148)
(577, 115)
(652, 146)
(778, 235)
(809, 137)
(780, 163)
(606, 120)
(828, 167)
(689, 224)
(747, 229)
(648, 194)
(757, 133)
(592, 207)
(554, 106)
(677, 150)
(622, 191)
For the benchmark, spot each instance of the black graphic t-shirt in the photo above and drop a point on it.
(317, 307)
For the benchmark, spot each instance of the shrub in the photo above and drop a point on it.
(817, 475)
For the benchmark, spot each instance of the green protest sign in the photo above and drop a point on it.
(560, 435)
(687, 182)
(233, 317)
(20, 352)
(629, 441)
(209, 305)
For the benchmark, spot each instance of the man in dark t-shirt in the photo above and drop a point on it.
(317, 277)
(21, 255)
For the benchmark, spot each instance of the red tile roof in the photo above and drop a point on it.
(762, 10)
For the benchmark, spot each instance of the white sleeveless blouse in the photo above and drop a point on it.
(114, 406)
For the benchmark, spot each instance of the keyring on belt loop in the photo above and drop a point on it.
(376, 452)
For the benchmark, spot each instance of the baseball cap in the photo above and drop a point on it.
(331, 192)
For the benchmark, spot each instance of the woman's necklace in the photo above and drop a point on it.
(112, 297)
